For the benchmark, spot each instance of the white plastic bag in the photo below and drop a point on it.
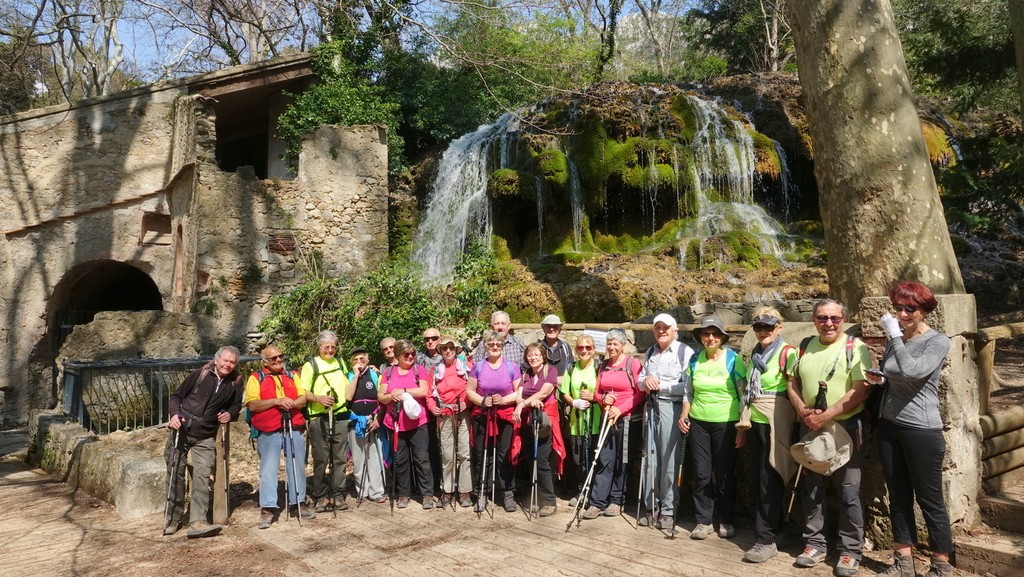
(411, 406)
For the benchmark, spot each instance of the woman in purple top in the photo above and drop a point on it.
(536, 396)
(399, 380)
(493, 387)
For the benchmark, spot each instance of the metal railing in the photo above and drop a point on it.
(108, 396)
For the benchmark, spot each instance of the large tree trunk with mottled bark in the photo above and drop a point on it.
(1017, 25)
(879, 204)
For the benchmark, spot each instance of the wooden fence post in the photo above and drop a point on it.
(221, 486)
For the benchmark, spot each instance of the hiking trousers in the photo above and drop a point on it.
(713, 446)
(769, 488)
(845, 481)
(608, 486)
(449, 458)
(320, 440)
(413, 454)
(667, 439)
(503, 464)
(545, 483)
(366, 455)
(203, 456)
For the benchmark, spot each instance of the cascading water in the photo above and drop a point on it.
(458, 211)
(575, 204)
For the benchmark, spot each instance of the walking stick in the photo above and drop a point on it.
(366, 471)
(606, 426)
(457, 468)
(483, 469)
(289, 457)
(330, 455)
(395, 416)
(533, 485)
(172, 478)
(227, 481)
(494, 456)
(646, 477)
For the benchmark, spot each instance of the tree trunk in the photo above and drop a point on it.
(1017, 25)
(879, 205)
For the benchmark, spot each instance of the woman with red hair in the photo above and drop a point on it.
(910, 442)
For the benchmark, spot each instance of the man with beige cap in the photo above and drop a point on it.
(557, 351)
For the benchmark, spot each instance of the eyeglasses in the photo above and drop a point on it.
(763, 328)
(430, 339)
(584, 348)
(494, 345)
(409, 355)
(446, 349)
(329, 347)
(911, 309)
(274, 358)
(822, 319)
(715, 334)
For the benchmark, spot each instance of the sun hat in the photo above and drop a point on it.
(710, 322)
(823, 451)
(551, 320)
(449, 341)
(357, 351)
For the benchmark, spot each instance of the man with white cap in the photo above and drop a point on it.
(557, 352)
(664, 376)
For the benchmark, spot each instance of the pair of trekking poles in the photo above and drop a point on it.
(649, 468)
(456, 424)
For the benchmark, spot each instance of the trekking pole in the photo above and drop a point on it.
(379, 448)
(330, 455)
(534, 417)
(227, 481)
(645, 464)
(483, 468)
(457, 467)
(396, 414)
(366, 470)
(494, 456)
(606, 426)
(172, 479)
(289, 457)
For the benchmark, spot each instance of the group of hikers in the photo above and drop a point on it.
(457, 423)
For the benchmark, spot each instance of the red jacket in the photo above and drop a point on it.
(269, 421)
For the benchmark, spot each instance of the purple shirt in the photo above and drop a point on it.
(490, 381)
(531, 384)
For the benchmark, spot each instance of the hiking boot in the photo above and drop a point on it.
(340, 504)
(547, 510)
(465, 501)
(810, 557)
(446, 499)
(760, 552)
(847, 566)
(481, 504)
(645, 519)
(939, 568)
(510, 502)
(303, 513)
(266, 518)
(666, 522)
(200, 529)
(322, 507)
(902, 566)
(403, 502)
(613, 510)
(701, 532)
(725, 531)
(172, 528)
(428, 502)
(573, 502)
(591, 513)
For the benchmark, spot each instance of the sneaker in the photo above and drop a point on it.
(701, 532)
(510, 502)
(847, 566)
(172, 528)
(322, 507)
(266, 518)
(403, 502)
(446, 499)
(340, 505)
(613, 510)
(592, 513)
(428, 503)
(810, 557)
(939, 568)
(725, 531)
(380, 500)
(902, 566)
(548, 510)
(465, 501)
(199, 529)
(760, 552)
(481, 504)
(666, 522)
(305, 512)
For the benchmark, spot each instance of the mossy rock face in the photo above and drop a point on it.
(744, 249)
(553, 167)
(767, 157)
(506, 183)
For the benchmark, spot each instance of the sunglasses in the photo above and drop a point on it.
(763, 328)
(274, 359)
(409, 355)
(429, 339)
(715, 334)
(494, 345)
(822, 319)
(584, 348)
(904, 308)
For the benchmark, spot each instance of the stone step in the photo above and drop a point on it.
(1004, 482)
(991, 552)
(1004, 511)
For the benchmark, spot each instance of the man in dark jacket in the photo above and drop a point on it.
(209, 396)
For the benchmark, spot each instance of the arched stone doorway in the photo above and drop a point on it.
(95, 286)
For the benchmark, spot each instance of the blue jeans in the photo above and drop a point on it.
(269, 446)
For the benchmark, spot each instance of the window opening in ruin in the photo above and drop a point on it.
(99, 286)
(156, 229)
(179, 263)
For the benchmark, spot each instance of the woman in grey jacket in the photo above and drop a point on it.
(910, 443)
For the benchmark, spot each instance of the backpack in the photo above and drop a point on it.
(629, 374)
(730, 365)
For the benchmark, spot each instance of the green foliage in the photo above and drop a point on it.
(505, 182)
(342, 98)
(734, 34)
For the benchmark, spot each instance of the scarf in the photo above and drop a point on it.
(759, 359)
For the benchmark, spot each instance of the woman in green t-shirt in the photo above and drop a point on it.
(582, 414)
(709, 416)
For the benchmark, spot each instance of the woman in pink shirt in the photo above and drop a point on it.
(399, 380)
(618, 395)
(447, 401)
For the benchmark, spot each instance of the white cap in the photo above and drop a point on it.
(664, 318)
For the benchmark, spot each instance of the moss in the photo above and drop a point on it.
(682, 110)
(500, 248)
(940, 151)
(553, 167)
(744, 249)
(766, 155)
(692, 258)
(811, 228)
(506, 183)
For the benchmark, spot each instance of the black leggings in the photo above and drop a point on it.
(505, 474)
(912, 463)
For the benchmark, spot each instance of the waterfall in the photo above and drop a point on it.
(538, 187)
(575, 203)
(457, 210)
(722, 145)
(785, 180)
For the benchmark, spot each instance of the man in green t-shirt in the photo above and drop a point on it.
(839, 362)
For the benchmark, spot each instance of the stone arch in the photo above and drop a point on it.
(96, 286)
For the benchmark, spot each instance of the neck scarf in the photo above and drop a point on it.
(759, 358)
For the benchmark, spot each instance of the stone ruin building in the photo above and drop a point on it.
(171, 197)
